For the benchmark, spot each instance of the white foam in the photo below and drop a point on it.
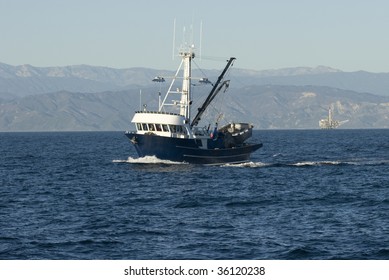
(119, 161)
(246, 164)
(277, 155)
(368, 162)
(146, 160)
(315, 163)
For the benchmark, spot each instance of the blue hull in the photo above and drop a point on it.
(190, 150)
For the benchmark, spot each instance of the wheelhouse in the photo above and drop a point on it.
(162, 124)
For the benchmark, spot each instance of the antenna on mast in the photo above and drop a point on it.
(191, 42)
(174, 38)
(201, 37)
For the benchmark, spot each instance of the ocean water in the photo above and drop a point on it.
(307, 194)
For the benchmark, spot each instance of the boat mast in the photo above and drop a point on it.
(187, 54)
(215, 90)
(187, 57)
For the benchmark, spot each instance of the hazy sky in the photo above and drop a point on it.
(349, 35)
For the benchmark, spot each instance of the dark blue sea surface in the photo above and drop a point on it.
(307, 194)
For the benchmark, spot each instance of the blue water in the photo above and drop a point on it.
(308, 194)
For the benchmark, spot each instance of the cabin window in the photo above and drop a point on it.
(173, 128)
(151, 127)
(144, 125)
(158, 127)
(181, 129)
(139, 126)
(177, 129)
(165, 128)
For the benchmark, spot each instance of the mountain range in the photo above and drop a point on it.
(83, 97)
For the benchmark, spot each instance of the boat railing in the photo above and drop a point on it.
(157, 112)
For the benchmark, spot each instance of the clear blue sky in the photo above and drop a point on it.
(349, 35)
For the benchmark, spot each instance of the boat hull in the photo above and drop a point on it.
(189, 150)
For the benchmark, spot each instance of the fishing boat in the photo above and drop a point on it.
(170, 133)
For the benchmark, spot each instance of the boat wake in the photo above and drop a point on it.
(356, 162)
(146, 160)
(316, 163)
(251, 164)
(247, 164)
(297, 164)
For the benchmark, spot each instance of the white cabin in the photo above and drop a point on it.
(162, 124)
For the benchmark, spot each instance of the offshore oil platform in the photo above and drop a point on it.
(329, 122)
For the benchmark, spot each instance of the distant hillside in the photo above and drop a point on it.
(67, 111)
(86, 97)
(25, 80)
(376, 83)
(302, 107)
(267, 107)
